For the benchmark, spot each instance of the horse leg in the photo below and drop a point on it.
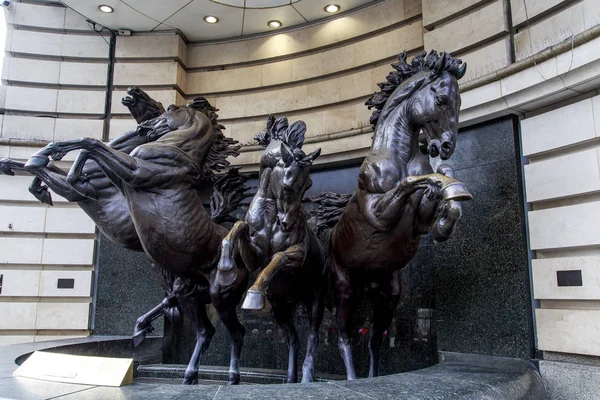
(384, 303)
(315, 310)
(235, 245)
(114, 163)
(237, 332)
(51, 175)
(225, 300)
(204, 333)
(283, 312)
(292, 257)
(345, 303)
(143, 325)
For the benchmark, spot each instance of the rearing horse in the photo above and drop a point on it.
(160, 181)
(276, 239)
(398, 197)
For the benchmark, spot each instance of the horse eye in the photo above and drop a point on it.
(441, 100)
(172, 107)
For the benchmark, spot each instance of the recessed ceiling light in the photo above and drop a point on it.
(274, 24)
(211, 19)
(106, 9)
(332, 8)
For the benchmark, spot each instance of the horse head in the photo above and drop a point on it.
(289, 181)
(141, 106)
(428, 89)
(176, 118)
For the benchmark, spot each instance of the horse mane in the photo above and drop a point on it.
(291, 135)
(222, 146)
(403, 71)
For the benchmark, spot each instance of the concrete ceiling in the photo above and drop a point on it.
(236, 17)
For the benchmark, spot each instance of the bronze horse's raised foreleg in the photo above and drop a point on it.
(118, 164)
(292, 257)
(51, 175)
(448, 212)
(236, 245)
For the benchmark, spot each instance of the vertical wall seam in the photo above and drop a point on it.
(109, 86)
(511, 31)
(526, 209)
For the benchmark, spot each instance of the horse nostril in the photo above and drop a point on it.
(434, 150)
(446, 146)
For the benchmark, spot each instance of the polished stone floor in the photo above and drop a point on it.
(457, 376)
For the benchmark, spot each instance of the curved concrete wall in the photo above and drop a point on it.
(55, 77)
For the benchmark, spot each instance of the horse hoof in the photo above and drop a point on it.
(234, 379)
(190, 380)
(254, 301)
(37, 161)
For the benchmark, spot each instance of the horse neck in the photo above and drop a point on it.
(395, 134)
(128, 141)
(194, 140)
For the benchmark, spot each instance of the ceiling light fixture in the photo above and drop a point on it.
(332, 8)
(274, 24)
(106, 9)
(211, 19)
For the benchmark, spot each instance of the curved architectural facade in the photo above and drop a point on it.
(536, 60)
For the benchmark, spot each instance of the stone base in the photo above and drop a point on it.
(570, 380)
(457, 376)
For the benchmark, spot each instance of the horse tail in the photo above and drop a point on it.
(229, 190)
(330, 207)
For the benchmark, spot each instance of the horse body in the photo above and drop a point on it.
(160, 181)
(398, 197)
(275, 238)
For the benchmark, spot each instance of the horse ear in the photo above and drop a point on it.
(286, 156)
(460, 72)
(438, 68)
(313, 156)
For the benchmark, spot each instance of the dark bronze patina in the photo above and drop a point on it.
(398, 197)
(160, 182)
(104, 203)
(275, 239)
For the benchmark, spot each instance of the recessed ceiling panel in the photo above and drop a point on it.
(315, 9)
(256, 20)
(266, 3)
(123, 17)
(157, 9)
(190, 21)
(236, 17)
(232, 3)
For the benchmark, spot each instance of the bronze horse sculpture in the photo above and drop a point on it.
(160, 182)
(398, 197)
(275, 238)
(104, 203)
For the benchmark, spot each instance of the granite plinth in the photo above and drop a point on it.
(174, 372)
(457, 376)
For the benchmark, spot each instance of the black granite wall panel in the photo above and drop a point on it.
(470, 294)
(127, 287)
